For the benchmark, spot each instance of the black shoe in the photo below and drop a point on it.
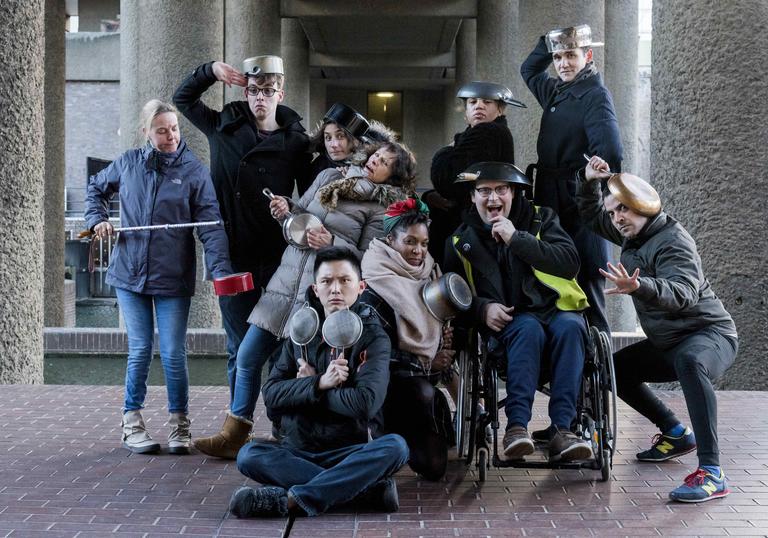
(381, 496)
(268, 501)
(666, 447)
(567, 446)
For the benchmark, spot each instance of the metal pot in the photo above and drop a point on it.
(447, 296)
(342, 329)
(295, 227)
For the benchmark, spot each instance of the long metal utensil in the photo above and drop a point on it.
(88, 233)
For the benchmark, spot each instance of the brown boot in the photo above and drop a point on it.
(227, 443)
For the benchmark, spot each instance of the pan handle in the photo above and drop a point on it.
(268, 193)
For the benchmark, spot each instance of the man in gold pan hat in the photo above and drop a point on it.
(691, 338)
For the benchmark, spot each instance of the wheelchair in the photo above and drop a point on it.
(596, 414)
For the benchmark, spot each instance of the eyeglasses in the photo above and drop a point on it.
(485, 192)
(254, 90)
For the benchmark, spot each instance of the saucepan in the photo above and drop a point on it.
(446, 296)
(342, 329)
(304, 325)
(296, 225)
(233, 284)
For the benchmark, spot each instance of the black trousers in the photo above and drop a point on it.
(696, 362)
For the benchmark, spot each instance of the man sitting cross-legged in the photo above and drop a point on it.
(324, 457)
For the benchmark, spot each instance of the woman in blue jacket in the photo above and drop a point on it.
(160, 183)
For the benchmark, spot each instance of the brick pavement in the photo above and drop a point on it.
(62, 473)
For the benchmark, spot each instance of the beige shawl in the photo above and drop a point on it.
(400, 285)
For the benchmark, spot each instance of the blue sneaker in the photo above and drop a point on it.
(700, 486)
(665, 447)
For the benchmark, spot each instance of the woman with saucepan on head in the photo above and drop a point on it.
(153, 271)
(396, 269)
(349, 210)
(337, 138)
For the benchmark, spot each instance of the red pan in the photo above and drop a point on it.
(233, 284)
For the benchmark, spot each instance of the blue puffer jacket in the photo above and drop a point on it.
(159, 188)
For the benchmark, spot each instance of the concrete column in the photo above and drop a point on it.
(55, 19)
(157, 50)
(318, 104)
(422, 128)
(22, 184)
(708, 158)
(296, 64)
(251, 28)
(621, 77)
(536, 19)
(466, 65)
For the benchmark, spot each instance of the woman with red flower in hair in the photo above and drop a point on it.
(395, 269)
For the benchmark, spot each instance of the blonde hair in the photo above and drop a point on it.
(150, 111)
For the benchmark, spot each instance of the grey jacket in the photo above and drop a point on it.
(353, 224)
(674, 299)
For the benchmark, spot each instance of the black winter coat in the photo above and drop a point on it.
(318, 420)
(242, 165)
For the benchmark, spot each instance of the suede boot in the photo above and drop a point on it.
(179, 438)
(228, 442)
(135, 436)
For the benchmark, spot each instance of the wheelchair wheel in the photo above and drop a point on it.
(608, 389)
(482, 464)
(463, 405)
(606, 462)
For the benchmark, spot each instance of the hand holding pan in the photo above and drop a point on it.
(304, 325)
(342, 329)
(295, 226)
(233, 284)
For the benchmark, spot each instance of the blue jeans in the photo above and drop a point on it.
(527, 342)
(235, 310)
(255, 349)
(318, 481)
(172, 315)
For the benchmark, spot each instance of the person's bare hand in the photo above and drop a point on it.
(229, 75)
(336, 374)
(447, 337)
(597, 168)
(318, 238)
(625, 284)
(343, 170)
(502, 228)
(279, 208)
(497, 316)
(103, 229)
(443, 360)
(305, 369)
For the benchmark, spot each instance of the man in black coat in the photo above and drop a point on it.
(326, 403)
(578, 118)
(255, 144)
(486, 138)
(521, 266)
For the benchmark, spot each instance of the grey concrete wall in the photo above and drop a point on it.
(422, 129)
(22, 187)
(708, 157)
(91, 12)
(55, 21)
(356, 98)
(93, 56)
(466, 67)
(296, 64)
(318, 104)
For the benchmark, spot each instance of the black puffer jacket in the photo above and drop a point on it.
(242, 164)
(318, 420)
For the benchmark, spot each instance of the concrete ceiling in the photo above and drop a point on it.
(392, 43)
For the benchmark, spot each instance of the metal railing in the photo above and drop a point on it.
(74, 203)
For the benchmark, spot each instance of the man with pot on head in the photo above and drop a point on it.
(691, 337)
(521, 266)
(326, 402)
(577, 118)
(486, 138)
(255, 143)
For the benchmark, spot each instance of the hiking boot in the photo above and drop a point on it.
(517, 443)
(566, 446)
(179, 438)
(135, 436)
(381, 496)
(228, 442)
(699, 486)
(665, 447)
(267, 501)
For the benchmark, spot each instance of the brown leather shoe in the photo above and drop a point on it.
(517, 443)
(228, 442)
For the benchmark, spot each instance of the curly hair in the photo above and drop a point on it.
(403, 168)
(317, 138)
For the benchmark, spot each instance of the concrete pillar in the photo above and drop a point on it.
(55, 19)
(422, 128)
(296, 64)
(22, 184)
(157, 51)
(621, 77)
(318, 104)
(537, 18)
(466, 65)
(708, 158)
(252, 28)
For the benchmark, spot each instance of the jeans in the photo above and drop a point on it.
(257, 346)
(594, 252)
(696, 361)
(527, 341)
(318, 481)
(235, 310)
(172, 314)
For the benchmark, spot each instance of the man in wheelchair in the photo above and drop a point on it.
(521, 266)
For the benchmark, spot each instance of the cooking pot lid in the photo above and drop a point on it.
(304, 325)
(635, 193)
(342, 329)
(297, 226)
